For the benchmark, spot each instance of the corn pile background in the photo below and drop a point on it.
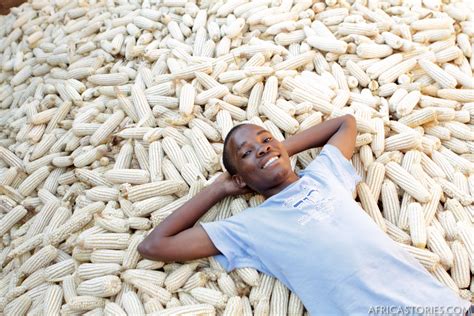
(113, 114)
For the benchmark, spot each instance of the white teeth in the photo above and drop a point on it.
(269, 162)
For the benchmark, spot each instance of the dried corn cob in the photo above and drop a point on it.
(100, 287)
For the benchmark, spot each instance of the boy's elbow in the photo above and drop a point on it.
(144, 249)
(350, 123)
(149, 251)
(350, 119)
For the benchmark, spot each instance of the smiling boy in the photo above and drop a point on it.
(309, 232)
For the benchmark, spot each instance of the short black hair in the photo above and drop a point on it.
(226, 155)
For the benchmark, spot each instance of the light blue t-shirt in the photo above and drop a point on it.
(323, 246)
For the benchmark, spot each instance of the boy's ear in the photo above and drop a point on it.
(239, 180)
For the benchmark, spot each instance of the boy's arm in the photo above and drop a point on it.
(175, 239)
(340, 132)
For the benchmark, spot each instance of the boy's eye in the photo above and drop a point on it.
(246, 154)
(267, 139)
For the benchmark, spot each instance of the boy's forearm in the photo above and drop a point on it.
(189, 213)
(315, 136)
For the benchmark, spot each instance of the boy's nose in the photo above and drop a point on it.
(263, 150)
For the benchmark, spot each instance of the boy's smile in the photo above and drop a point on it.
(270, 162)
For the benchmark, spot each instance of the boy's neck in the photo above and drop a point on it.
(293, 177)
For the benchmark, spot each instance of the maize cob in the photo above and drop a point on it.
(295, 306)
(203, 148)
(145, 207)
(100, 287)
(106, 241)
(69, 288)
(460, 270)
(370, 205)
(394, 71)
(254, 100)
(327, 44)
(235, 112)
(227, 285)
(224, 122)
(456, 208)
(448, 223)
(198, 279)
(262, 307)
(396, 233)
(132, 256)
(390, 202)
(295, 62)
(18, 306)
(429, 209)
(113, 309)
(444, 277)
(59, 270)
(117, 79)
(263, 290)
(33, 280)
(155, 277)
(456, 145)
(88, 157)
(246, 307)
(149, 190)
(39, 260)
(58, 116)
(452, 191)
(88, 271)
(461, 182)
(279, 299)
(128, 299)
(209, 296)
(375, 176)
(196, 309)
(464, 234)
(134, 132)
(438, 74)
(428, 259)
(438, 245)
(26, 246)
(234, 306)
(152, 289)
(416, 222)
(106, 129)
(33, 180)
(84, 303)
(178, 277)
(403, 217)
(107, 256)
(102, 193)
(280, 118)
(407, 182)
(173, 151)
(155, 156)
(457, 161)
(112, 224)
(52, 300)
(211, 133)
(152, 305)
(11, 218)
(132, 176)
(42, 218)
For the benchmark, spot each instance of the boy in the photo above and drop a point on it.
(309, 232)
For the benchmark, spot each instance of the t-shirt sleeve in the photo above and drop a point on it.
(231, 238)
(331, 162)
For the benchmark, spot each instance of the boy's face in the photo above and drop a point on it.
(261, 161)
